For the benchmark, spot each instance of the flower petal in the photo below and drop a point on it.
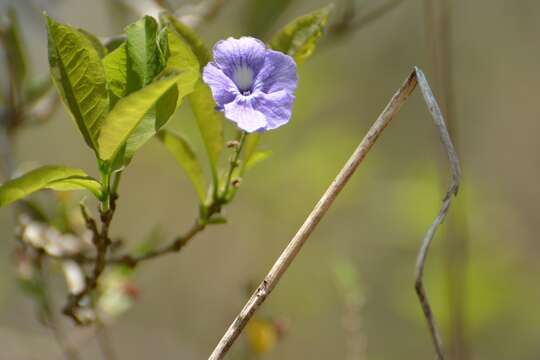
(247, 118)
(223, 88)
(276, 108)
(277, 73)
(233, 53)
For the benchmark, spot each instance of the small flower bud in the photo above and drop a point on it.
(236, 183)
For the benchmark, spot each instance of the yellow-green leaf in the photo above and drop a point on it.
(78, 74)
(185, 156)
(153, 120)
(299, 38)
(59, 178)
(181, 59)
(128, 113)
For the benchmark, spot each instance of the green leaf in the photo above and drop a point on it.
(96, 43)
(210, 122)
(128, 113)
(59, 178)
(115, 64)
(184, 155)
(299, 38)
(190, 37)
(15, 49)
(143, 60)
(180, 59)
(78, 74)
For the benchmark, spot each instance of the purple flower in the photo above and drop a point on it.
(254, 86)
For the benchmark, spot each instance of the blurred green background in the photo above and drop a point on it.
(187, 300)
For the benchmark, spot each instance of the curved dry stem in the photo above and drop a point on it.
(293, 248)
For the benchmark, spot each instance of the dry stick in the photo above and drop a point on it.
(452, 191)
(294, 246)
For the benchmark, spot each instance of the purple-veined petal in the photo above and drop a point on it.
(223, 88)
(278, 73)
(242, 112)
(232, 54)
(276, 108)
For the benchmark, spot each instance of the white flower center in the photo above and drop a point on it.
(243, 77)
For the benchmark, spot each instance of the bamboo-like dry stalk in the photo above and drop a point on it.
(295, 245)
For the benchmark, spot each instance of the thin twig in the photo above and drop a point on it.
(175, 246)
(295, 245)
(101, 241)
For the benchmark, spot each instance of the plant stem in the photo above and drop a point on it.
(101, 241)
(175, 246)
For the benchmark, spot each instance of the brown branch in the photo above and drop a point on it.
(175, 246)
(101, 241)
(295, 245)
